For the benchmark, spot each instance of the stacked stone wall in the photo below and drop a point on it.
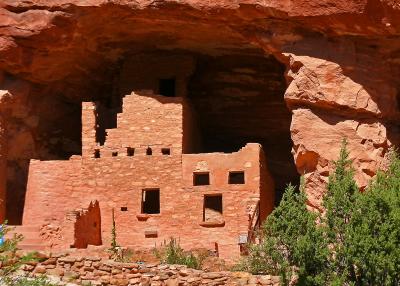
(98, 271)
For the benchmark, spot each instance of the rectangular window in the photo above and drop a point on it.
(236, 177)
(212, 208)
(201, 179)
(114, 154)
(130, 151)
(151, 201)
(96, 153)
(149, 151)
(167, 87)
(165, 151)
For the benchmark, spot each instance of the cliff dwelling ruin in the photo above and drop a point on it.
(222, 104)
(185, 119)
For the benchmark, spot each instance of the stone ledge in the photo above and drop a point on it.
(212, 223)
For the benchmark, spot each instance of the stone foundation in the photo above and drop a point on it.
(97, 271)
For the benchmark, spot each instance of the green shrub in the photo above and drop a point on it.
(172, 253)
(355, 242)
(38, 281)
(11, 262)
(292, 243)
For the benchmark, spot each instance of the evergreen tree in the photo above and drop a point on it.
(374, 231)
(292, 243)
(355, 242)
(339, 205)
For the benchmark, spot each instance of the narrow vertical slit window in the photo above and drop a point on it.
(96, 153)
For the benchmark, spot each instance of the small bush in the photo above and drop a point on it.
(172, 253)
(355, 242)
(11, 262)
(38, 281)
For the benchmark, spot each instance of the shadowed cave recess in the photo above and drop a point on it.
(235, 91)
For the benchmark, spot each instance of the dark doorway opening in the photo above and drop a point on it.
(151, 201)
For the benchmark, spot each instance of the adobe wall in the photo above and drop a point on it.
(86, 226)
(239, 200)
(57, 187)
(267, 188)
(146, 120)
(117, 180)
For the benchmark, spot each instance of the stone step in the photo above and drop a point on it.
(31, 240)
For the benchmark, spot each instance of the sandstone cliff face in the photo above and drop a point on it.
(333, 63)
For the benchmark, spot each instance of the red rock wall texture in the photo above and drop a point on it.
(55, 188)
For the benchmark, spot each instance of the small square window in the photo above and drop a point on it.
(166, 151)
(149, 151)
(124, 209)
(114, 154)
(236, 177)
(212, 208)
(201, 179)
(151, 201)
(130, 151)
(167, 87)
(96, 153)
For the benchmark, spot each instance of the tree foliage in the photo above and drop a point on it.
(356, 241)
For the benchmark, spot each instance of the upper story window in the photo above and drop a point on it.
(201, 179)
(130, 151)
(236, 177)
(167, 87)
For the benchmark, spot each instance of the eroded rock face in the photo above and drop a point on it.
(341, 58)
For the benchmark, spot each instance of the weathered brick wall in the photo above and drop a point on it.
(106, 272)
(152, 120)
(117, 182)
(267, 188)
(88, 128)
(57, 187)
(239, 200)
(50, 189)
(86, 226)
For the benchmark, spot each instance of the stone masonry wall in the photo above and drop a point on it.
(106, 272)
(118, 181)
(147, 121)
(57, 187)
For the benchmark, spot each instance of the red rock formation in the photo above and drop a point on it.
(341, 59)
